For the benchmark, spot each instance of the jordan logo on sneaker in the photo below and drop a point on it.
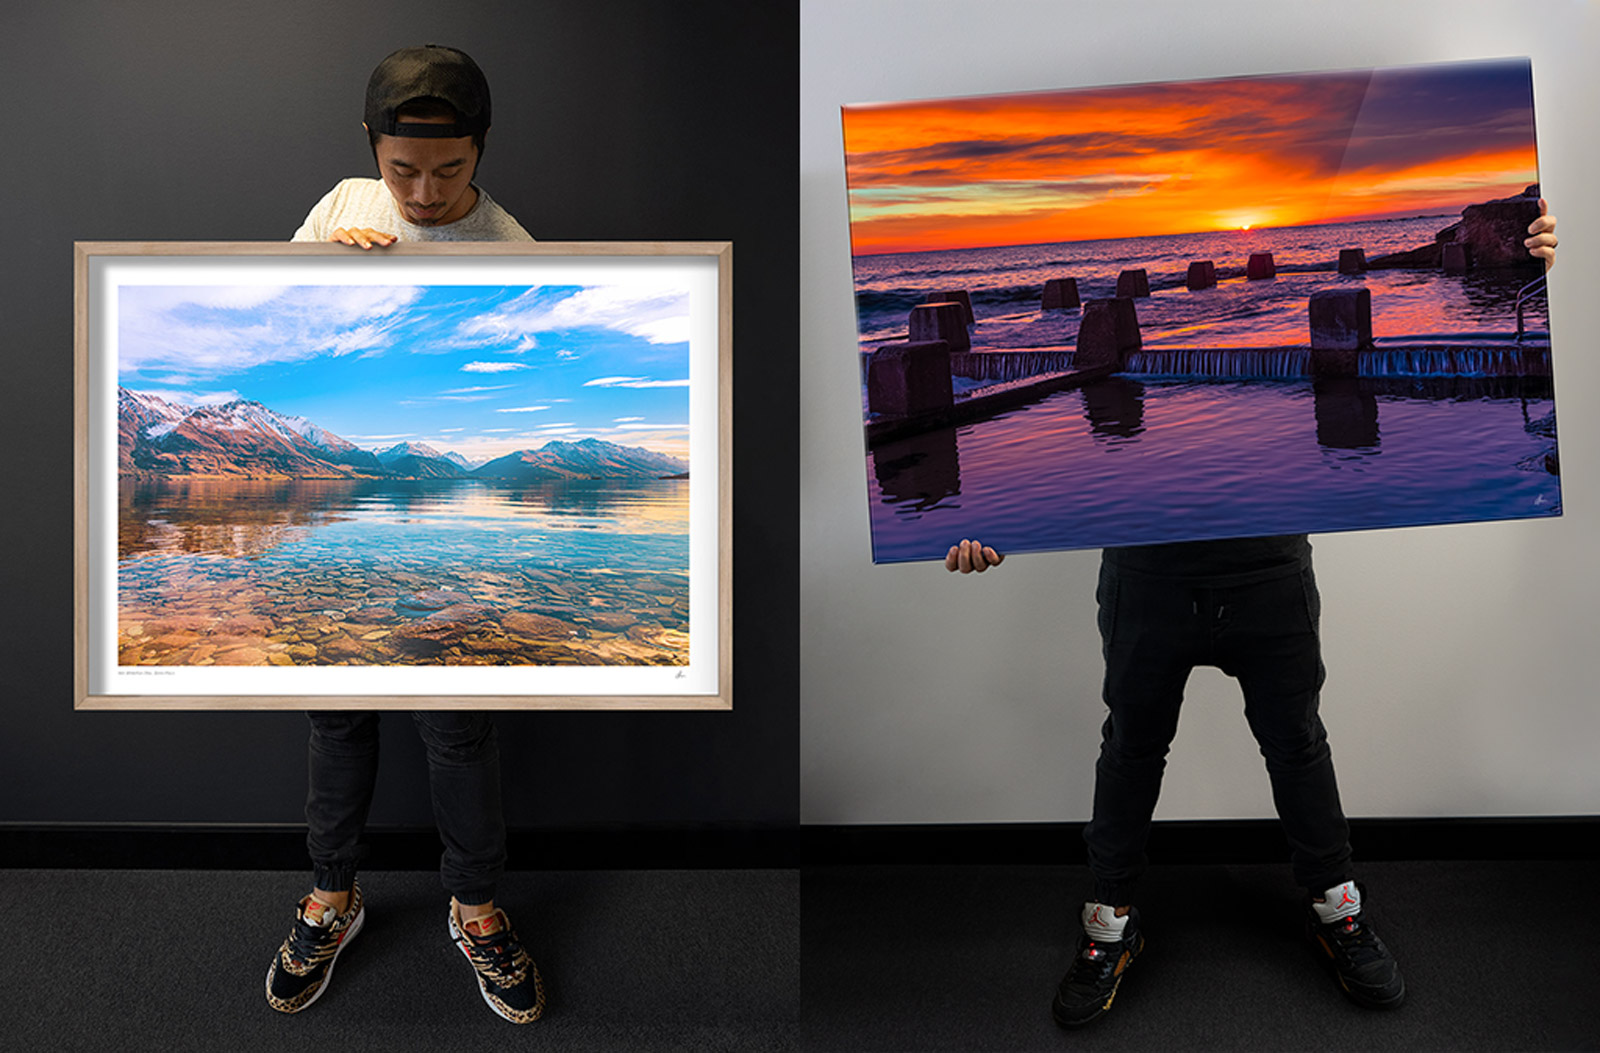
(1346, 901)
(1094, 919)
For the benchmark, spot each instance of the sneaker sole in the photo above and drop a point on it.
(327, 977)
(456, 937)
(1056, 1007)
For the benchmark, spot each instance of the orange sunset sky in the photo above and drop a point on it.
(1187, 157)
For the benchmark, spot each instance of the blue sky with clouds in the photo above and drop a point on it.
(483, 370)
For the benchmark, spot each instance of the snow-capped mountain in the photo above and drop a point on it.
(238, 438)
(455, 458)
(418, 460)
(245, 439)
(409, 449)
(584, 459)
(140, 414)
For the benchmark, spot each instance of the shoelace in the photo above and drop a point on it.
(1354, 940)
(309, 944)
(1090, 967)
(500, 959)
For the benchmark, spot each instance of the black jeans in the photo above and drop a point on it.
(463, 773)
(1260, 628)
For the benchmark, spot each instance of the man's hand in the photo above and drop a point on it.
(365, 237)
(1543, 241)
(971, 556)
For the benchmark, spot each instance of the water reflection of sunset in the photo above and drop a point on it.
(1186, 157)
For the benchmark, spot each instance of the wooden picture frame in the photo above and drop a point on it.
(234, 549)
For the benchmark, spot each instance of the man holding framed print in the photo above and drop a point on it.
(1250, 607)
(427, 113)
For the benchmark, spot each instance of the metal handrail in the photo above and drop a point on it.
(1527, 292)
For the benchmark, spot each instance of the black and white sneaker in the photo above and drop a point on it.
(1106, 948)
(507, 977)
(304, 964)
(1343, 939)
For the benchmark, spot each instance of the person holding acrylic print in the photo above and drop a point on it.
(427, 112)
(1250, 607)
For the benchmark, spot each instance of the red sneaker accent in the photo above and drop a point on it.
(487, 925)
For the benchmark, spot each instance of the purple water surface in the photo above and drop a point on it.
(1125, 461)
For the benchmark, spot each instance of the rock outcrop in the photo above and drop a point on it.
(1492, 233)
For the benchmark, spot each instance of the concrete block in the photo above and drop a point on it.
(1202, 274)
(940, 321)
(1341, 324)
(1457, 257)
(1109, 332)
(904, 380)
(1133, 282)
(1060, 293)
(960, 296)
(1260, 266)
(1352, 261)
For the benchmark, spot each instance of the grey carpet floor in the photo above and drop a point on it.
(170, 961)
(1501, 956)
(1497, 956)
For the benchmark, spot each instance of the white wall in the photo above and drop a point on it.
(1463, 661)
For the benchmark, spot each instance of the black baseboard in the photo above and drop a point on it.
(282, 847)
(1201, 841)
(201, 847)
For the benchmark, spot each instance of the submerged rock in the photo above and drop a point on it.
(446, 626)
(537, 626)
(431, 600)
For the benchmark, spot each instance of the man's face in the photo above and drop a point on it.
(431, 179)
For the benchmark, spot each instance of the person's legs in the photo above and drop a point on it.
(342, 770)
(1149, 635)
(1267, 637)
(464, 775)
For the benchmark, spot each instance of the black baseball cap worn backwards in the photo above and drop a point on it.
(430, 71)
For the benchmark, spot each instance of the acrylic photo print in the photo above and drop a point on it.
(1196, 310)
(493, 475)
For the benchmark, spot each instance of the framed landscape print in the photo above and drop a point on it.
(487, 475)
(1201, 310)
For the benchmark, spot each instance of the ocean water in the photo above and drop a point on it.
(1188, 445)
(1005, 285)
(310, 572)
(1128, 461)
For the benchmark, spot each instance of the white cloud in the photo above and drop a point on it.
(492, 367)
(648, 427)
(624, 420)
(521, 409)
(657, 313)
(193, 398)
(204, 331)
(634, 382)
(481, 387)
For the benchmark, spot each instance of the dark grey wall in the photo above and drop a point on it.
(614, 119)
